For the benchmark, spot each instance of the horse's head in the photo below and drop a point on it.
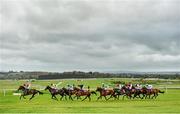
(21, 88)
(133, 87)
(76, 89)
(143, 90)
(123, 87)
(93, 92)
(99, 89)
(64, 89)
(47, 87)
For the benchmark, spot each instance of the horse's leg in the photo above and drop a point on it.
(65, 97)
(112, 95)
(130, 96)
(89, 98)
(143, 96)
(99, 98)
(32, 96)
(61, 97)
(140, 96)
(105, 98)
(20, 97)
(115, 97)
(55, 97)
(109, 97)
(85, 98)
(24, 97)
(127, 96)
(118, 97)
(146, 96)
(123, 97)
(153, 96)
(135, 95)
(156, 95)
(70, 98)
(75, 96)
(52, 96)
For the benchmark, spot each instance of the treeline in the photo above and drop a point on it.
(79, 74)
(68, 75)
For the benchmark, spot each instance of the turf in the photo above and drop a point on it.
(165, 103)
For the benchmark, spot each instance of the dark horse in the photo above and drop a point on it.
(86, 93)
(127, 92)
(26, 92)
(105, 93)
(55, 92)
(148, 93)
(69, 92)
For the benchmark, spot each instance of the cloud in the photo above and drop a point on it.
(90, 35)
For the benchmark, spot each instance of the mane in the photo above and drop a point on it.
(21, 86)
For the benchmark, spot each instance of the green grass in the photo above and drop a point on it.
(165, 103)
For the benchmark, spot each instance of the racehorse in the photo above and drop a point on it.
(26, 92)
(105, 93)
(127, 92)
(137, 93)
(55, 92)
(153, 92)
(69, 92)
(86, 93)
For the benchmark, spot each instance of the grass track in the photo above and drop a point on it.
(164, 104)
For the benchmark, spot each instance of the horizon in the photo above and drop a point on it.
(86, 71)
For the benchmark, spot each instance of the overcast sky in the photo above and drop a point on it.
(90, 35)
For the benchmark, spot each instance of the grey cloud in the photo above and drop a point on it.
(98, 35)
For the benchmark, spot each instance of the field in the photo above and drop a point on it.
(164, 104)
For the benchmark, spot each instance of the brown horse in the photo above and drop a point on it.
(69, 92)
(55, 92)
(26, 92)
(86, 93)
(105, 93)
(126, 92)
(153, 92)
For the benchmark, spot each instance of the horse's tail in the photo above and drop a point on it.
(161, 91)
(40, 92)
(93, 92)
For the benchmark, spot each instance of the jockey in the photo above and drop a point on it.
(53, 86)
(149, 87)
(127, 86)
(88, 88)
(138, 86)
(118, 86)
(130, 86)
(81, 87)
(105, 87)
(27, 86)
(70, 87)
